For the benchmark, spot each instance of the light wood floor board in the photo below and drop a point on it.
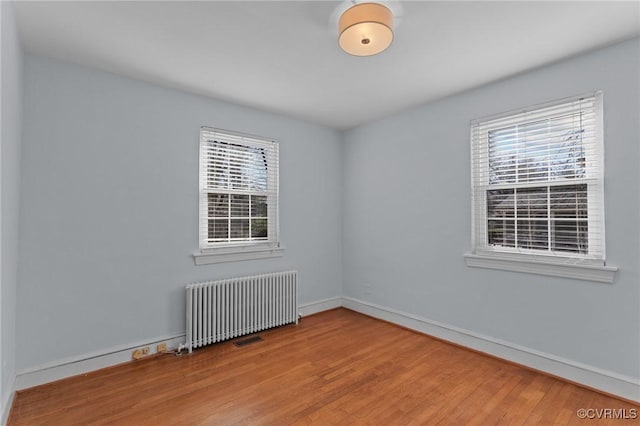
(336, 367)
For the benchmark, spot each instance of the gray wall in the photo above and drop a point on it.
(407, 219)
(110, 208)
(11, 123)
(109, 213)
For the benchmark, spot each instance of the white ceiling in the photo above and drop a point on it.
(284, 56)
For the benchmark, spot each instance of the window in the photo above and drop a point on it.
(238, 192)
(537, 183)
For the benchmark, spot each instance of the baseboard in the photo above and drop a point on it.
(7, 401)
(593, 377)
(311, 308)
(589, 376)
(86, 363)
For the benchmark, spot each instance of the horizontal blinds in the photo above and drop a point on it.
(238, 188)
(537, 179)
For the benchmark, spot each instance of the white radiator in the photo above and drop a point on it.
(223, 309)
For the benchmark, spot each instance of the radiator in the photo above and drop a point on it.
(224, 309)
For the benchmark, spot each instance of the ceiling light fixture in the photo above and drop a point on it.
(366, 29)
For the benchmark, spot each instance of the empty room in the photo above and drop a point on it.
(320, 212)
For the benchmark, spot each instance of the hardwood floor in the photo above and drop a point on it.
(337, 367)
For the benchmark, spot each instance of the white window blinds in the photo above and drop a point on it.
(537, 179)
(238, 189)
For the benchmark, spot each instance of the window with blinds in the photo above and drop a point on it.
(238, 189)
(537, 178)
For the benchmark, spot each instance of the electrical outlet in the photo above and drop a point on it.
(145, 350)
(137, 354)
(162, 347)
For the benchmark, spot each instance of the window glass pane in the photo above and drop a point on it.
(258, 206)
(500, 203)
(259, 171)
(570, 235)
(235, 166)
(218, 229)
(239, 228)
(566, 202)
(237, 174)
(568, 159)
(533, 162)
(532, 202)
(216, 159)
(247, 168)
(218, 205)
(501, 233)
(533, 234)
(258, 228)
(239, 205)
(502, 155)
(569, 201)
(543, 150)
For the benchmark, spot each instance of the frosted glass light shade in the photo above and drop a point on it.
(366, 29)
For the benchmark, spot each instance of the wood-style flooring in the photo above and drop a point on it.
(336, 367)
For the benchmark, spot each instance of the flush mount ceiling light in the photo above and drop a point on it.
(366, 29)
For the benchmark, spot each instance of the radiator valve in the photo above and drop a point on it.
(181, 346)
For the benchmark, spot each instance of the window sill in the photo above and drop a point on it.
(589, 272)
(234, 254)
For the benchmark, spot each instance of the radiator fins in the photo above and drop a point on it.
(224, 309)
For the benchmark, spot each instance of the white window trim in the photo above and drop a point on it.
(576, 267)
(237, 251)
(536, 264)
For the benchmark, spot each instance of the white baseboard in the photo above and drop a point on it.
(606, 381)
(593, 377)
(311, 308)
(86, 363)
(7, 401)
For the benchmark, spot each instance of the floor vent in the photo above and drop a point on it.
(247, 341)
